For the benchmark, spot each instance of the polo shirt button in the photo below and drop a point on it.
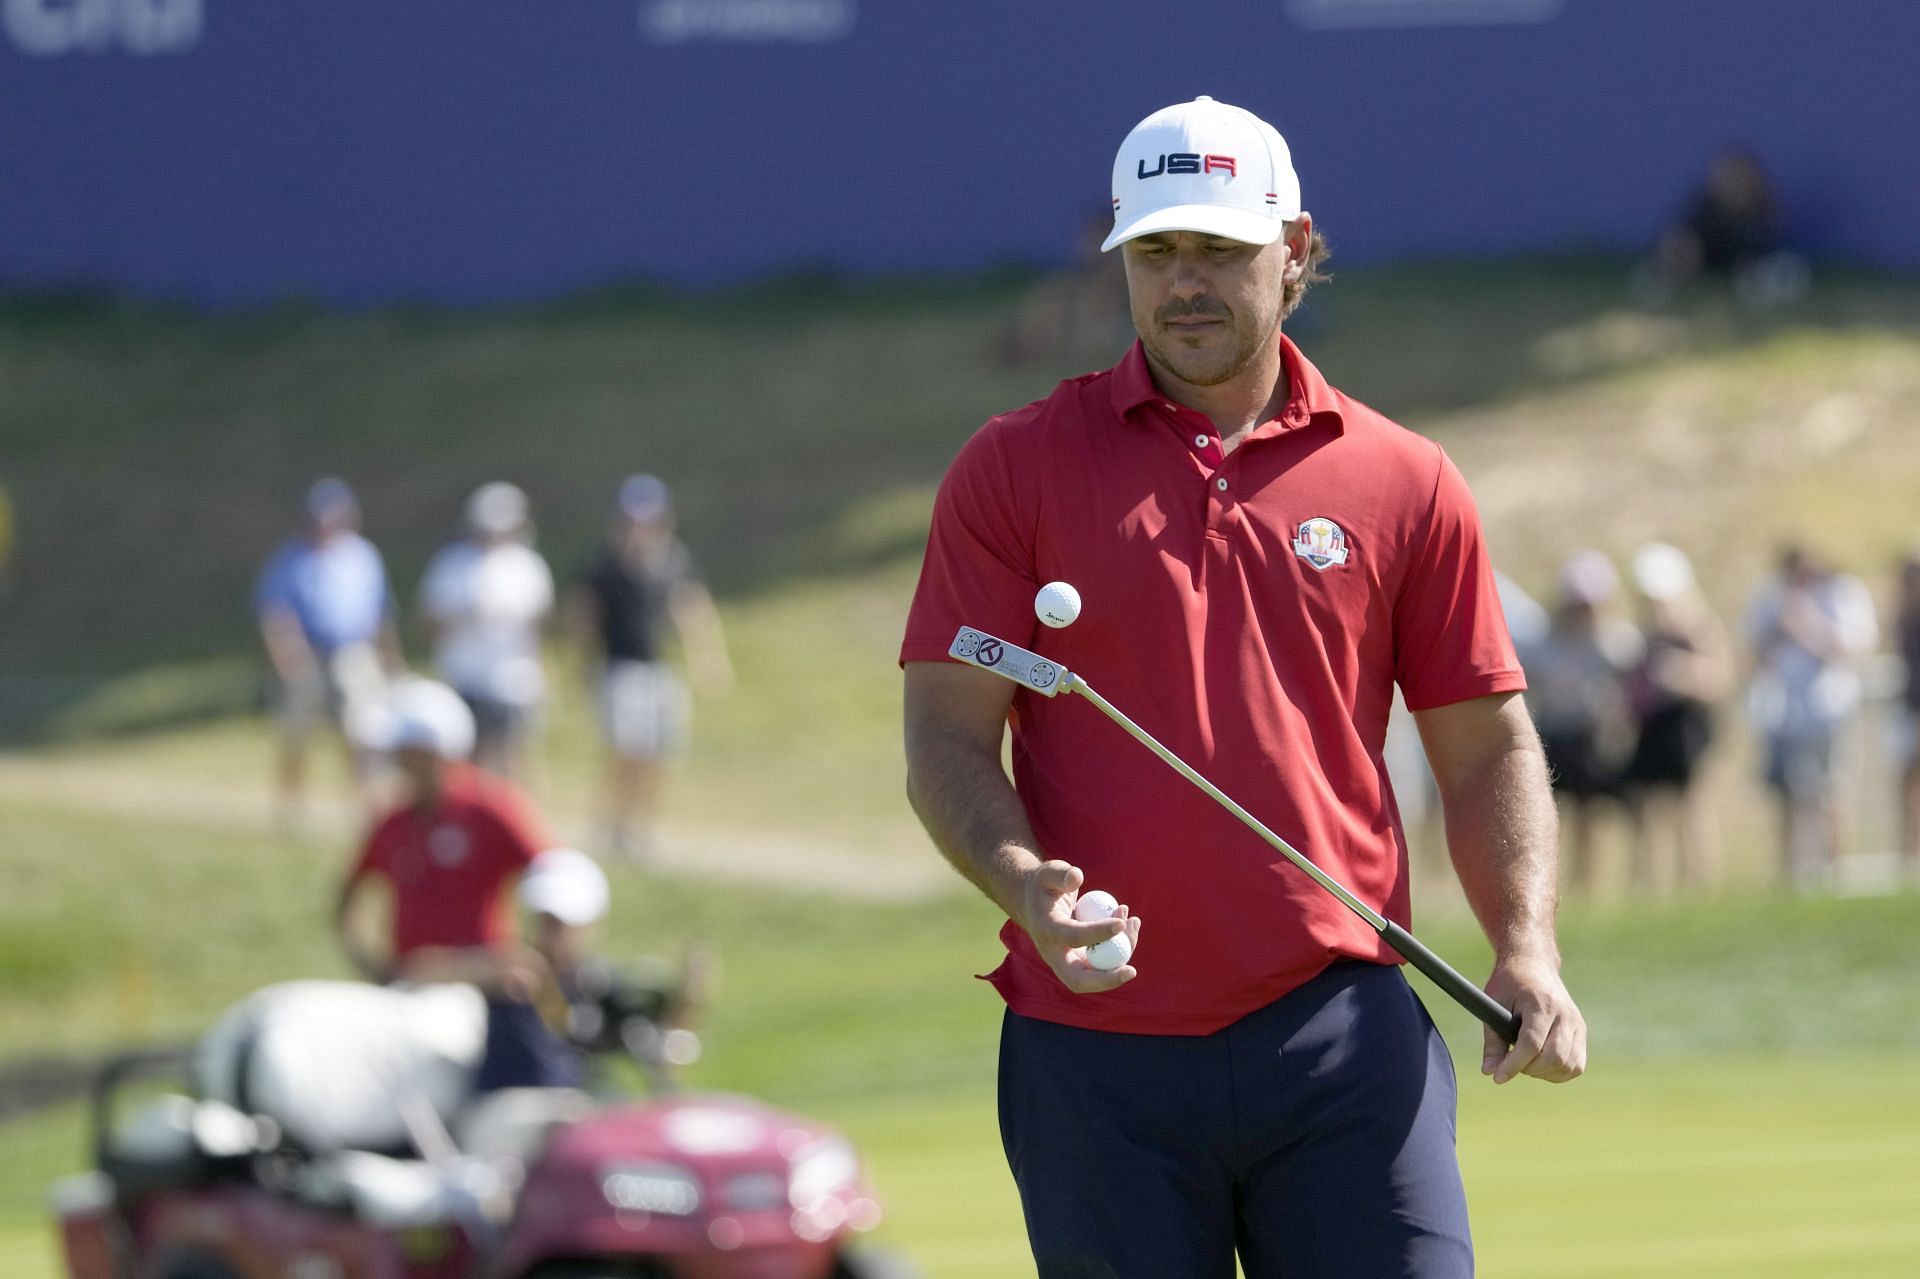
(1199, 441)
(1221, 484)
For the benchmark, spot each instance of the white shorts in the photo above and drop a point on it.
(644, 709)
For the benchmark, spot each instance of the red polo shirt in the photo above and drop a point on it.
(451, 867)
(1254, 613)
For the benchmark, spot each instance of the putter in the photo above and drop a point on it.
(1032, 671)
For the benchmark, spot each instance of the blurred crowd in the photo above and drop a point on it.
(1632, 683)
(330, 622)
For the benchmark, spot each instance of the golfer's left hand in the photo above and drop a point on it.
(1553, 1034)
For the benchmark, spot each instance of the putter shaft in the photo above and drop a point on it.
(1469, 996)
(1049, 679)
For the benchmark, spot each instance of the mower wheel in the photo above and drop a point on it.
(872, 1264)
(194, 1268)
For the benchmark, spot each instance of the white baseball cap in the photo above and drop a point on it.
(1588, 577)
(1662, 571)
(567, 884)
(419, 714)
(1204, 166)
(498, 508)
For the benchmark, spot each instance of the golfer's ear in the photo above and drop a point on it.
(1299, 239)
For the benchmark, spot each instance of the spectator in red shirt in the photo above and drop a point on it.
(447, 855)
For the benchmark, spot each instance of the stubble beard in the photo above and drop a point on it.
(1204, 367)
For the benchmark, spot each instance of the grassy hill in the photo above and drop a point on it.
(155, 456)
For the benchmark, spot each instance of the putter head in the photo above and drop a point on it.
(1025, 668)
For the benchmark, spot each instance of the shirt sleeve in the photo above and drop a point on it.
(442, 586)
(524, 835)
(539, 584)
(274, 589)
(374, 856)
(979, 568)
(1450, 635)
(389, 606)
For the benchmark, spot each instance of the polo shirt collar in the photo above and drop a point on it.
(1308, 396)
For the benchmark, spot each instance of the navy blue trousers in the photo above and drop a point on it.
(1314, 1138)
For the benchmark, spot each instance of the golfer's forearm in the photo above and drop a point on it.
(1503, 833)
(973, 815)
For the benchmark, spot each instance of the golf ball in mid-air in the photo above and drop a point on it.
(1057, 604)
(1114, 951)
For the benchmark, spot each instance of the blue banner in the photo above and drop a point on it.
(365, 151)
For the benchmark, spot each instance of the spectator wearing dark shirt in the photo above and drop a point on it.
(1732, 231)
(641, 586)
(1685, 668)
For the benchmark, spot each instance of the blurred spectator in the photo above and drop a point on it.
(446, 853)
(1685, 667)
(1415, 792)
(6, 540)
(643, 581)
(1079, 313)
(326, 616)
(487, 596)
(1808, 627)
(531, 983)
(1907, 624)
(1731, 232)
(1576, 688)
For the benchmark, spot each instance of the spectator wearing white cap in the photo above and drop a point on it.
(325, 615)
(447, 854)
(1809, 626)
(546, 995)
(487, 597)
(1576, 688)
(642, 587)
(1685, 667)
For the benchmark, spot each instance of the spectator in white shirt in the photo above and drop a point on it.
(487, 597)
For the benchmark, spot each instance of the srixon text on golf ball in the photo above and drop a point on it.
(1116, 950)
(1057, 604)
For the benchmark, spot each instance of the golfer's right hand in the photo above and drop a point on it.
(1046, 912)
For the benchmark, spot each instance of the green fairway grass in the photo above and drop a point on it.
(1750, 1108)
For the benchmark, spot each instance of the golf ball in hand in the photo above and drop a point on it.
(1057, 604)
(1114, 951)
(1095, 905)
(1111, 953)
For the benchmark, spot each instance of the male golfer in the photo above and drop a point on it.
(1262, 560)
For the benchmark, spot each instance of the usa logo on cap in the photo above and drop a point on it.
(1206, 167)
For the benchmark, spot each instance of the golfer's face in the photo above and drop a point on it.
(1204, 305)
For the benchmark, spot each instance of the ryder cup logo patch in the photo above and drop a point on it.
(1321, 543)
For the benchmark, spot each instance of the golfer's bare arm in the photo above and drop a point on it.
(1503, 833)
(955, 717)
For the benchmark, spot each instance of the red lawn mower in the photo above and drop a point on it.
(327, 1132)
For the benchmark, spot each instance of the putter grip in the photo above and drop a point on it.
(1465, 993)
